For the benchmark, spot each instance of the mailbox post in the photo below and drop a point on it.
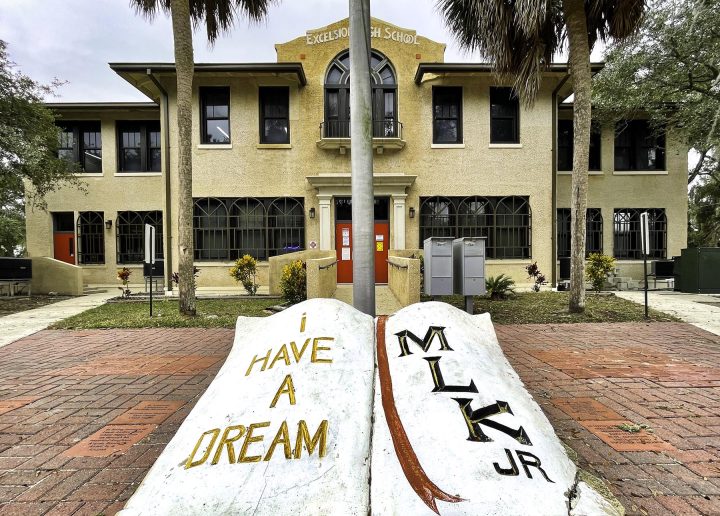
(469, 268)
(438, 266)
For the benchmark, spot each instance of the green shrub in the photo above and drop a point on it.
(597, 269)
(245, 271)
(293, 283)
(499, 287)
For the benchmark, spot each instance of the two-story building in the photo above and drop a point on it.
(456, 154)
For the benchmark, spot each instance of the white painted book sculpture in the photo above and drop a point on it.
(321, 410)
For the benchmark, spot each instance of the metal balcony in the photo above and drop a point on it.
(335, 134)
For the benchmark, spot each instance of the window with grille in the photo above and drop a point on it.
(593, 232)
(215, 113)
(447, 114)
(130, 234)
(90, 238)
(505, 222)
(81, 142)
(638, 147)
(384, 97)
(504, 116)
(274, 115)
(138, 146)
(626, 233)
(565, 145)
(228, 228)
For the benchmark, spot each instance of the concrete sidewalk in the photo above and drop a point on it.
(691, 308)
(22, 324)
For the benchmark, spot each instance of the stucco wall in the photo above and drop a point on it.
(321, 277)
(404, 278)
(50, 275)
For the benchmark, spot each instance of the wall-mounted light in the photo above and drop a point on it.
(412, 212)
(108, 224)
(312, 213)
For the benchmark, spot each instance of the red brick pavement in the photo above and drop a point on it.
(69, 385)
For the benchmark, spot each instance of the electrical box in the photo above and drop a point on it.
(469, 266)
(438, 256)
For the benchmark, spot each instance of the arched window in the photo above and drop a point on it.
(593, 232)
(90, 238)
(210, 222)
(437, 218)
(247, 229)
(512, 228)
(475, 219)
(627, 238)
(286, 223)
(130, 235)
(337, 97)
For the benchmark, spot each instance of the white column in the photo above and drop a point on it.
(325, 226)
(399, 221)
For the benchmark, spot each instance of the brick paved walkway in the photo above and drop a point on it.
(83, 415)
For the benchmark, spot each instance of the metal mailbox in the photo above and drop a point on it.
(438, 266)
(469, 266)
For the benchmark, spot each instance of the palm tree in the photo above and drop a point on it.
(217, 16)
(520, 38)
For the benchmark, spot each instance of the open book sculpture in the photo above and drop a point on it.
(322, 410)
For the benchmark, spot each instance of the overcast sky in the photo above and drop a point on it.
(73, 40)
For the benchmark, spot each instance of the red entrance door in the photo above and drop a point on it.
(343, 245)
(64, 237)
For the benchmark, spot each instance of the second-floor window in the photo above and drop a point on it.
(565, 145)
(215, 114)
(504, 116)
(447, 114)
(384, 97)
(139, 146)
(274, 115)
(81, 142)
(638, 147)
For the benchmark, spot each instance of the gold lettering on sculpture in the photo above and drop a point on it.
(315, 349)
(319, 439)
(189, 463)
(255, 360)
(227, 442)
(286, 387)
(298, 354)
(249, 439)
(282, 353)
(283, 437)
(302, 322)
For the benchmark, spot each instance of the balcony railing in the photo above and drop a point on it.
(341, 129)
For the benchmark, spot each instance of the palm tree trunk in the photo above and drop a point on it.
(361, 159)
(579, 61)
(184, 66)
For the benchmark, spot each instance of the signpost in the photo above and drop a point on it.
(645, 238)
(150, 257)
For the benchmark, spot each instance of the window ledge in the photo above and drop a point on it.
(447, 146)
(640, 172)
(215, 146)
(590, 172)
(89, 174)
(274, 146)
(511, 261)
(505, 146)
(93, 266)
(137, 174)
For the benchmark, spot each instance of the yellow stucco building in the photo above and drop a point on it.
(456, 154)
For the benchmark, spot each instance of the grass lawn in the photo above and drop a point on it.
(12, 305)
(552, 307)
(211, 313)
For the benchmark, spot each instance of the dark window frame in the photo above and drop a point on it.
(626, 233)
(511, 100)
(501, 220)
(565, 149)
(225, 229)
(145, 128)
(440, 93)
(90, 237)
(266, 93)
(79, 147)
(203, 93)
(638, 138)
(130, 235)
(593, 232)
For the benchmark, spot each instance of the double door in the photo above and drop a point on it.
(344, 234)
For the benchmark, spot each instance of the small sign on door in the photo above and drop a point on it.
(346, 237)
(379, 246)
(345, 254)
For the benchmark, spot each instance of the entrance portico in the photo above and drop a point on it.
(394, 186)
